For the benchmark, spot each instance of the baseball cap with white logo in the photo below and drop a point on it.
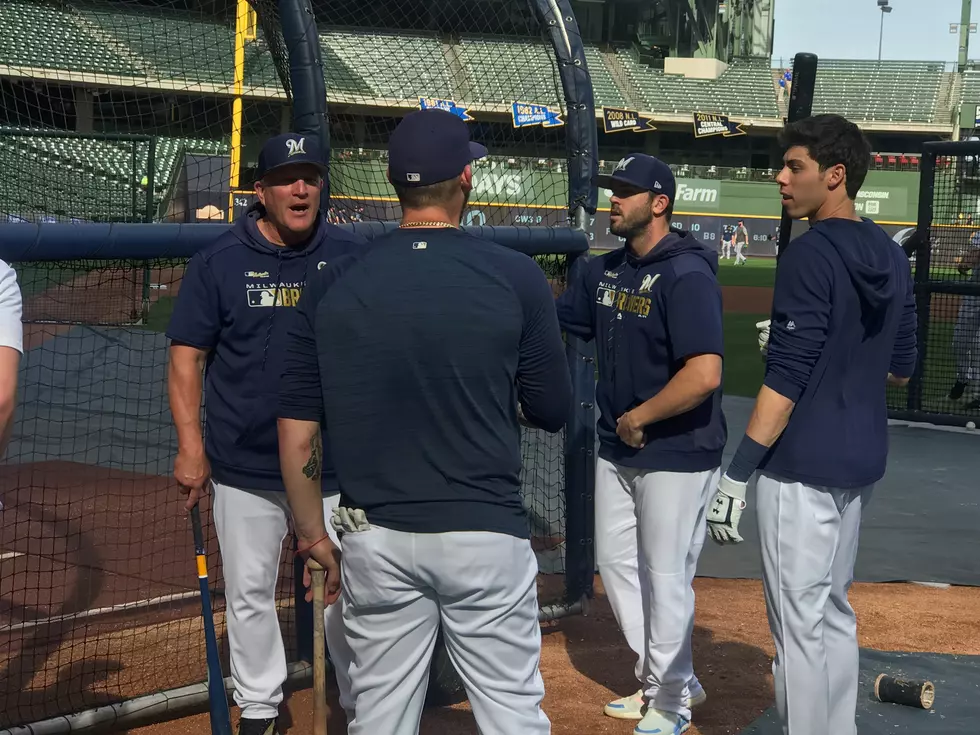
(643, 172)
(288, 149)
(429, 146)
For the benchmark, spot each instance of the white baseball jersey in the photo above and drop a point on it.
(11, 310)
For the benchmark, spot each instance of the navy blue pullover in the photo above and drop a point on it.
(843, 317)
(238, 299)
(415, 351)
(647, 316)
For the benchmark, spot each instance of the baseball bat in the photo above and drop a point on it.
(800, 106)
(321, 713)
(217, 697)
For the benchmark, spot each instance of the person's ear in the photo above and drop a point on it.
(836, 176)
(260, 192)
(466, 179)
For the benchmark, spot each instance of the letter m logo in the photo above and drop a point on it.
(295, 147)
(621, 166)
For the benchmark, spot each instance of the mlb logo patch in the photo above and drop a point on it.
(261, 297)
(420, 245)
(605, 296)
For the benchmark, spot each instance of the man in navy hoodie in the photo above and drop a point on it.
(843, 325)
(237, 302)
(654, 309)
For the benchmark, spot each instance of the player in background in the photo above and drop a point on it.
(654, 309)
(417, 353)
(843, 325)
(237, 300)
(966, 333)
(727, 239)
(741, 240)
(11, 349)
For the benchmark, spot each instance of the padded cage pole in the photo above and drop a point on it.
(582, 137)
(800, 107)
(582, 145)
(923, 256)
(309, 90)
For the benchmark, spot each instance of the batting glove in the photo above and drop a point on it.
(763, 328)
(349, 520)
(725, 511)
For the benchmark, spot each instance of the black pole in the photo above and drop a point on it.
(800, 106)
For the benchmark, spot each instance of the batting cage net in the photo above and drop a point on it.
(153, 111)
(946, 267)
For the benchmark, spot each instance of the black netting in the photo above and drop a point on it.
(154, 111)
(948, 384)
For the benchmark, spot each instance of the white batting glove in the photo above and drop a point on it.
(725, 511)
(763, 328)
(349, 520)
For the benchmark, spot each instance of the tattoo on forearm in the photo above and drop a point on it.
(314, 466)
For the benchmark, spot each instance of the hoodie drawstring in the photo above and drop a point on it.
(276, 296)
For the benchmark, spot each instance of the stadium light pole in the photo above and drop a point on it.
(884, 7)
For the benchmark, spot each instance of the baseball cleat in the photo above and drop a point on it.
(656, 722)
(631, 707)
(257, 727)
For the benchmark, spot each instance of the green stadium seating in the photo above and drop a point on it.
(745, 89)
(87, 178)
(887, 91)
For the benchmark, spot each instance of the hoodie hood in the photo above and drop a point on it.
(865, 250)
(675, 243)
(246, 229)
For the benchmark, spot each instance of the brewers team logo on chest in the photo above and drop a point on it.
(624, 300)
(265, 293)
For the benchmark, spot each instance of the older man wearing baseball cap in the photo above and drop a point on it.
(654, 309)
(424, 344)
(237, 302)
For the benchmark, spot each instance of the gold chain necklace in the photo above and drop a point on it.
(409, 225)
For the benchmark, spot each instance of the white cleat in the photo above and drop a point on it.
(631, 707)
(656, 722)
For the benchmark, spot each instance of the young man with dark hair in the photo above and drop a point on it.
(654, 309)
(417, 353)
(843, 325)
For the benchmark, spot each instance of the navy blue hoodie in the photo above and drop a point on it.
(647, 315)
(843, 317)
(237, 300)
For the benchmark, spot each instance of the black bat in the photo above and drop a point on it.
(218, 699)
(800, 106)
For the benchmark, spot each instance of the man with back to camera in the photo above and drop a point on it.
(654, 309)
(11, 349)
(237, 301)
(843, 325)
(417, 352)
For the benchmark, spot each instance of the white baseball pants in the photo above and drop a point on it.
(739, 256)
(966, 340)
(649, 531)
(726, 249)
(251, 526)
(809, 543)
(398, 587)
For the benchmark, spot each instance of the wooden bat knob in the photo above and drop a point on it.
(313, 565)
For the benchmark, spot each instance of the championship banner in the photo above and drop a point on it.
(526, 114)
(619, 119)
(706, 125)
(431, 103)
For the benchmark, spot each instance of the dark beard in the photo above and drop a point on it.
(630, 227)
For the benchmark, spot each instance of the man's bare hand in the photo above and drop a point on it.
(629, 432)
(193, 473)
(328, 555)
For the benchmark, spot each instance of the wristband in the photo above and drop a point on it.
(746, 460)
(307, 549)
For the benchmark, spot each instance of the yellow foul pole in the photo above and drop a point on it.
(241, 32)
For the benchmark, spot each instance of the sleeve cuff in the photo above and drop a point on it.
(783, 386)
(299, 413)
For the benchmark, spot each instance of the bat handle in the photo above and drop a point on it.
(321, 713)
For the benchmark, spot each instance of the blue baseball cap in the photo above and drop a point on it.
(430, 146)
(288, 149)
(643, 172)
